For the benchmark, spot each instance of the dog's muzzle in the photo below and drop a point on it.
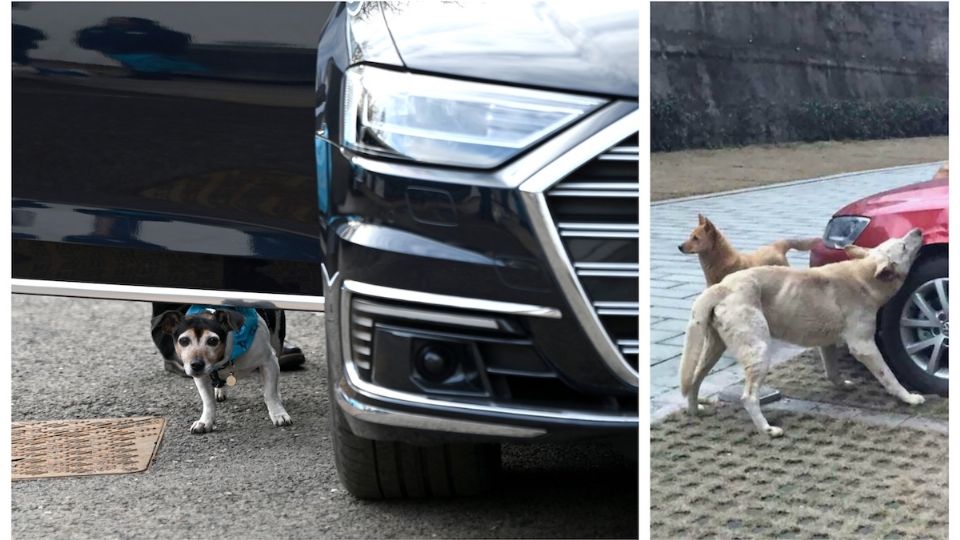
(197, 367)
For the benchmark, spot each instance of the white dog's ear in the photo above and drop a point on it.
(885, 271)
(231, 320)
(856, 252)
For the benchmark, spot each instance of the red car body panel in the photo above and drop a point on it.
(893, 213)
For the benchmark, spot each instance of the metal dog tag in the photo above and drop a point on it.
(231, 380)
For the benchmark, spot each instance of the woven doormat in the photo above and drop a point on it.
(84, 447)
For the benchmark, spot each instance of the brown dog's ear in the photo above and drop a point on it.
(708, 225)
(856, 252)
(169, 321)
(701, 219)
(231, 320)
(885, 272)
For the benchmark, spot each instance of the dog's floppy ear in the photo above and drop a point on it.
(856, 252)
(231, 320)
(885, 271)
(169, 321)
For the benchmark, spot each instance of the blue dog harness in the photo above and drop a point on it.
(242, 338)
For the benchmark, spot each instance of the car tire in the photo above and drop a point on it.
(371, 469)
(893, 339)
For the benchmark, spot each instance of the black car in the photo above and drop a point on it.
(468, 210)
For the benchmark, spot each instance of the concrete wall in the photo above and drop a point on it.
(717, 58)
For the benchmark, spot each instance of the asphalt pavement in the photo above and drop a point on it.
(79, 358)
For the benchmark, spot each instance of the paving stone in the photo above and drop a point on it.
(666, 336)
(926, 424)
(660, 352)
(678, 303)
(673, 293)
(670, 324)
(670, 312)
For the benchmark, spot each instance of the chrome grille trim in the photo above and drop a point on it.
(598, 230)
(629, 346)
(548, 234)
(462, 302)
(621, 153)
(626, 309)
(598, 189)
(482, 323)
(602, 269)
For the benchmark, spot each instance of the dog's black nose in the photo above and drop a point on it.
(196, 366)
(680, 247)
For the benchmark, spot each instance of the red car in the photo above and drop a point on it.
(913, 328)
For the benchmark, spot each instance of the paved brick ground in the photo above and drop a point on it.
(749, 218)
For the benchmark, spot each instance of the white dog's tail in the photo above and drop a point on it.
(799, 244)
(700, 334)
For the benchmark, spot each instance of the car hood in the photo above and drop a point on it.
(585, 47)
(930, 195)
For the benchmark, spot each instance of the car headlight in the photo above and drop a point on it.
(447, 121)
(843, 231)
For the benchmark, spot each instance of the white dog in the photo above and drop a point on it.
(826, 307)
(235, 340)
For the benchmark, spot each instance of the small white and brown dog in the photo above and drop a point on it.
(231, 339)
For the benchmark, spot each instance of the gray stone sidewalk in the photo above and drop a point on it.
(749, 219)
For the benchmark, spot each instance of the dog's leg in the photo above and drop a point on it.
(711, 354)
(220, 393)
(745, 331)
(207, 417)
(270, 380)
(829, 356)
(757, 360)
(865, 350)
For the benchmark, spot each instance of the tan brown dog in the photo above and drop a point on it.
(718, 258)
(827, 307)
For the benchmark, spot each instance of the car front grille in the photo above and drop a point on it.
(596, 212)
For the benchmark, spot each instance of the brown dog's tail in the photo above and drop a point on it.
(799, 244)
(700, 333)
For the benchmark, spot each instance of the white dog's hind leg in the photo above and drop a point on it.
(207, 417)
(270, 380)
(865, 350)
(712, 353)
(220, 393)
(746, 333)
(829, 356)
(757, 362)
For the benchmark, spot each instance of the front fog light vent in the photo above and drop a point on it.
(361, 332)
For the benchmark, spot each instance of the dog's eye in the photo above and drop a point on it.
(213, 342)
(184, 341)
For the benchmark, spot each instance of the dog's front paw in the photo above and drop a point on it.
(282, 419)
(914, 399)
(773, 431)
(220, 393)
(199, 427)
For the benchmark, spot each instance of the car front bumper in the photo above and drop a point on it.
(482, 267)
